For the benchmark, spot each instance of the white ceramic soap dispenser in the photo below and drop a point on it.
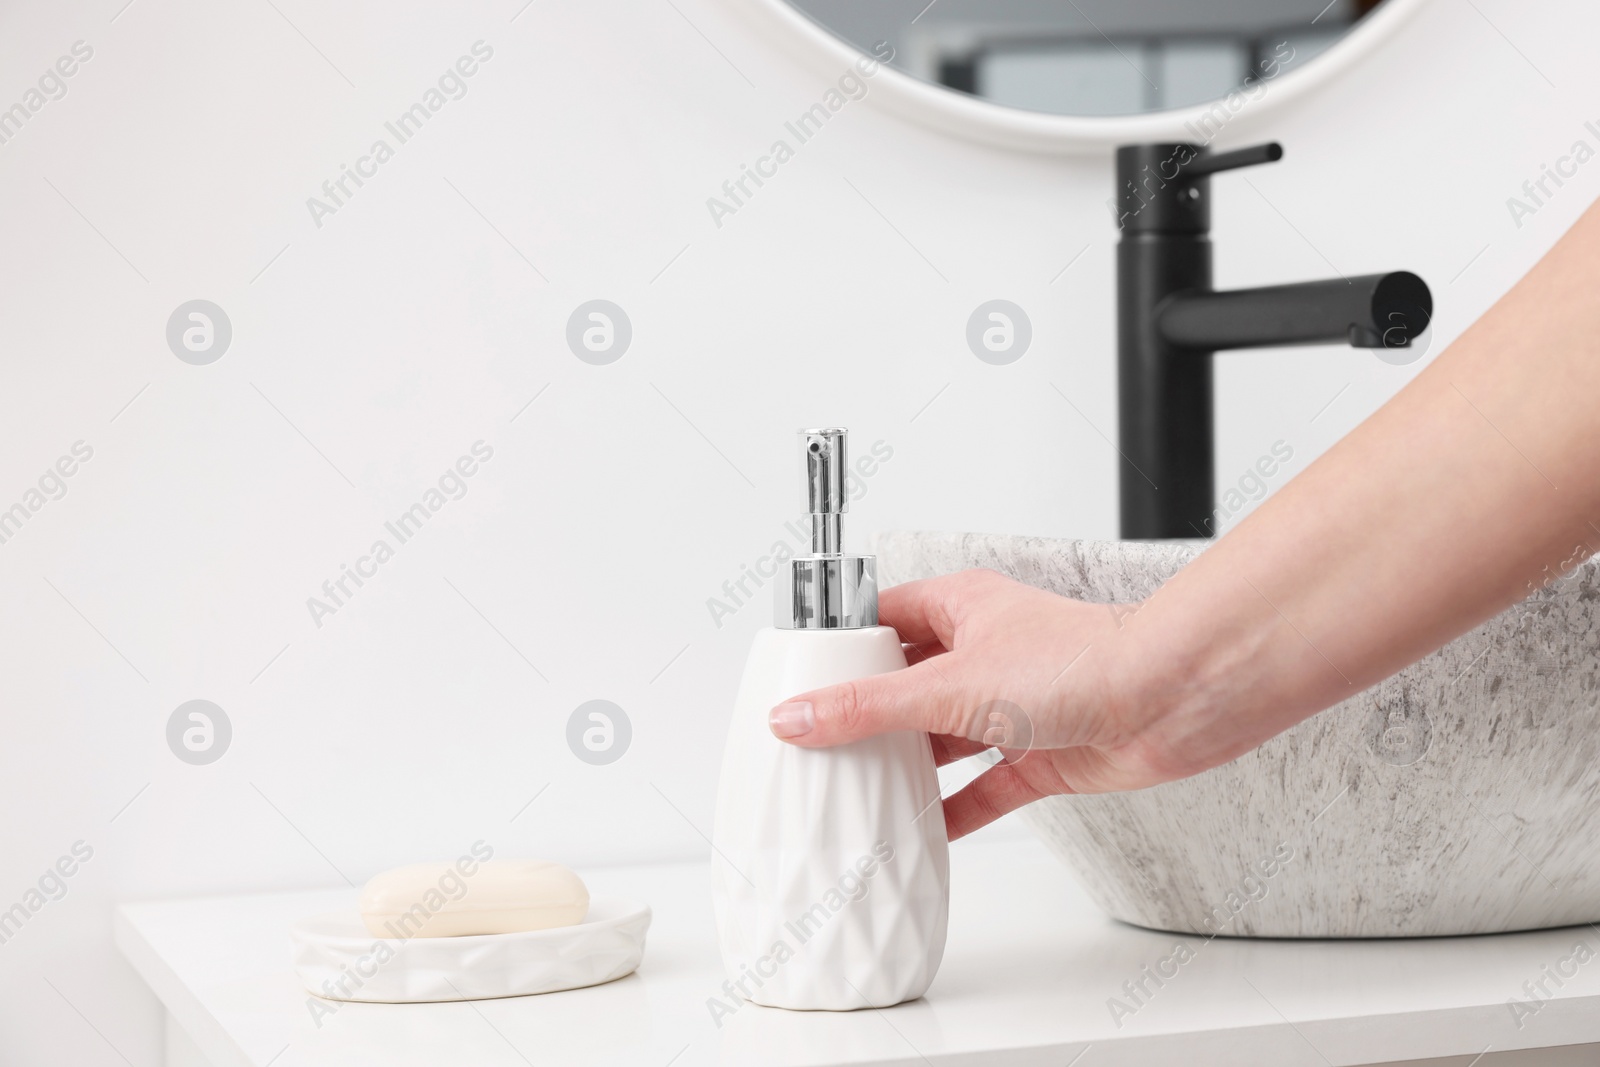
(831, 868)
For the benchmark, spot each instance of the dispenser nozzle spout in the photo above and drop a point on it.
(826, 590)
(827, 496)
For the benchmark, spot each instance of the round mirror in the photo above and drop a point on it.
(1092, 57)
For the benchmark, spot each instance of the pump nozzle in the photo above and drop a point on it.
(827, 590)
(826, 498)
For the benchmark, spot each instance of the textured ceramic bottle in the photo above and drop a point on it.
(831, 870)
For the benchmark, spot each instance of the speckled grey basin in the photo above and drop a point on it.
(1460, 796)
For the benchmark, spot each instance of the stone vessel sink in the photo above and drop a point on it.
(1460, 796)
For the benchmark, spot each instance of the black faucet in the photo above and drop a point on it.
(1170, 321)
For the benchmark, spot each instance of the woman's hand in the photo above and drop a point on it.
(998, 664)
(1467, 490)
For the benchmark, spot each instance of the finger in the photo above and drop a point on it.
(919, 653)
(922, 697)
(996, 791)
(948, 749)
(922, 610)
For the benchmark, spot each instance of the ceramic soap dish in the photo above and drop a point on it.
(336, 958)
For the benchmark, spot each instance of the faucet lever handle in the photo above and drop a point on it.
(1205, 164)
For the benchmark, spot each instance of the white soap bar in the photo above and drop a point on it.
(468, 897)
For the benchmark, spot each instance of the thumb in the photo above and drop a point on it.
(925, 697)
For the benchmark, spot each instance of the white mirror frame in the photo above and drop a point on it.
(972, 117)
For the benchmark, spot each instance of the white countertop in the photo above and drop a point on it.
(1030, 968)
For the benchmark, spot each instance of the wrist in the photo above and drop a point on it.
(1190, 679)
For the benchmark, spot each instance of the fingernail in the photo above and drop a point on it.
(792, 720)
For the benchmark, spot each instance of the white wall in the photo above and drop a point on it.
(406, 328)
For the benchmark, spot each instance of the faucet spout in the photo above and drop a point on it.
(1371, 311)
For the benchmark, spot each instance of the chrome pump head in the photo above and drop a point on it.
(826, 590)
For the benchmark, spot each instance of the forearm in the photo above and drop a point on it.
(1471, 487)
